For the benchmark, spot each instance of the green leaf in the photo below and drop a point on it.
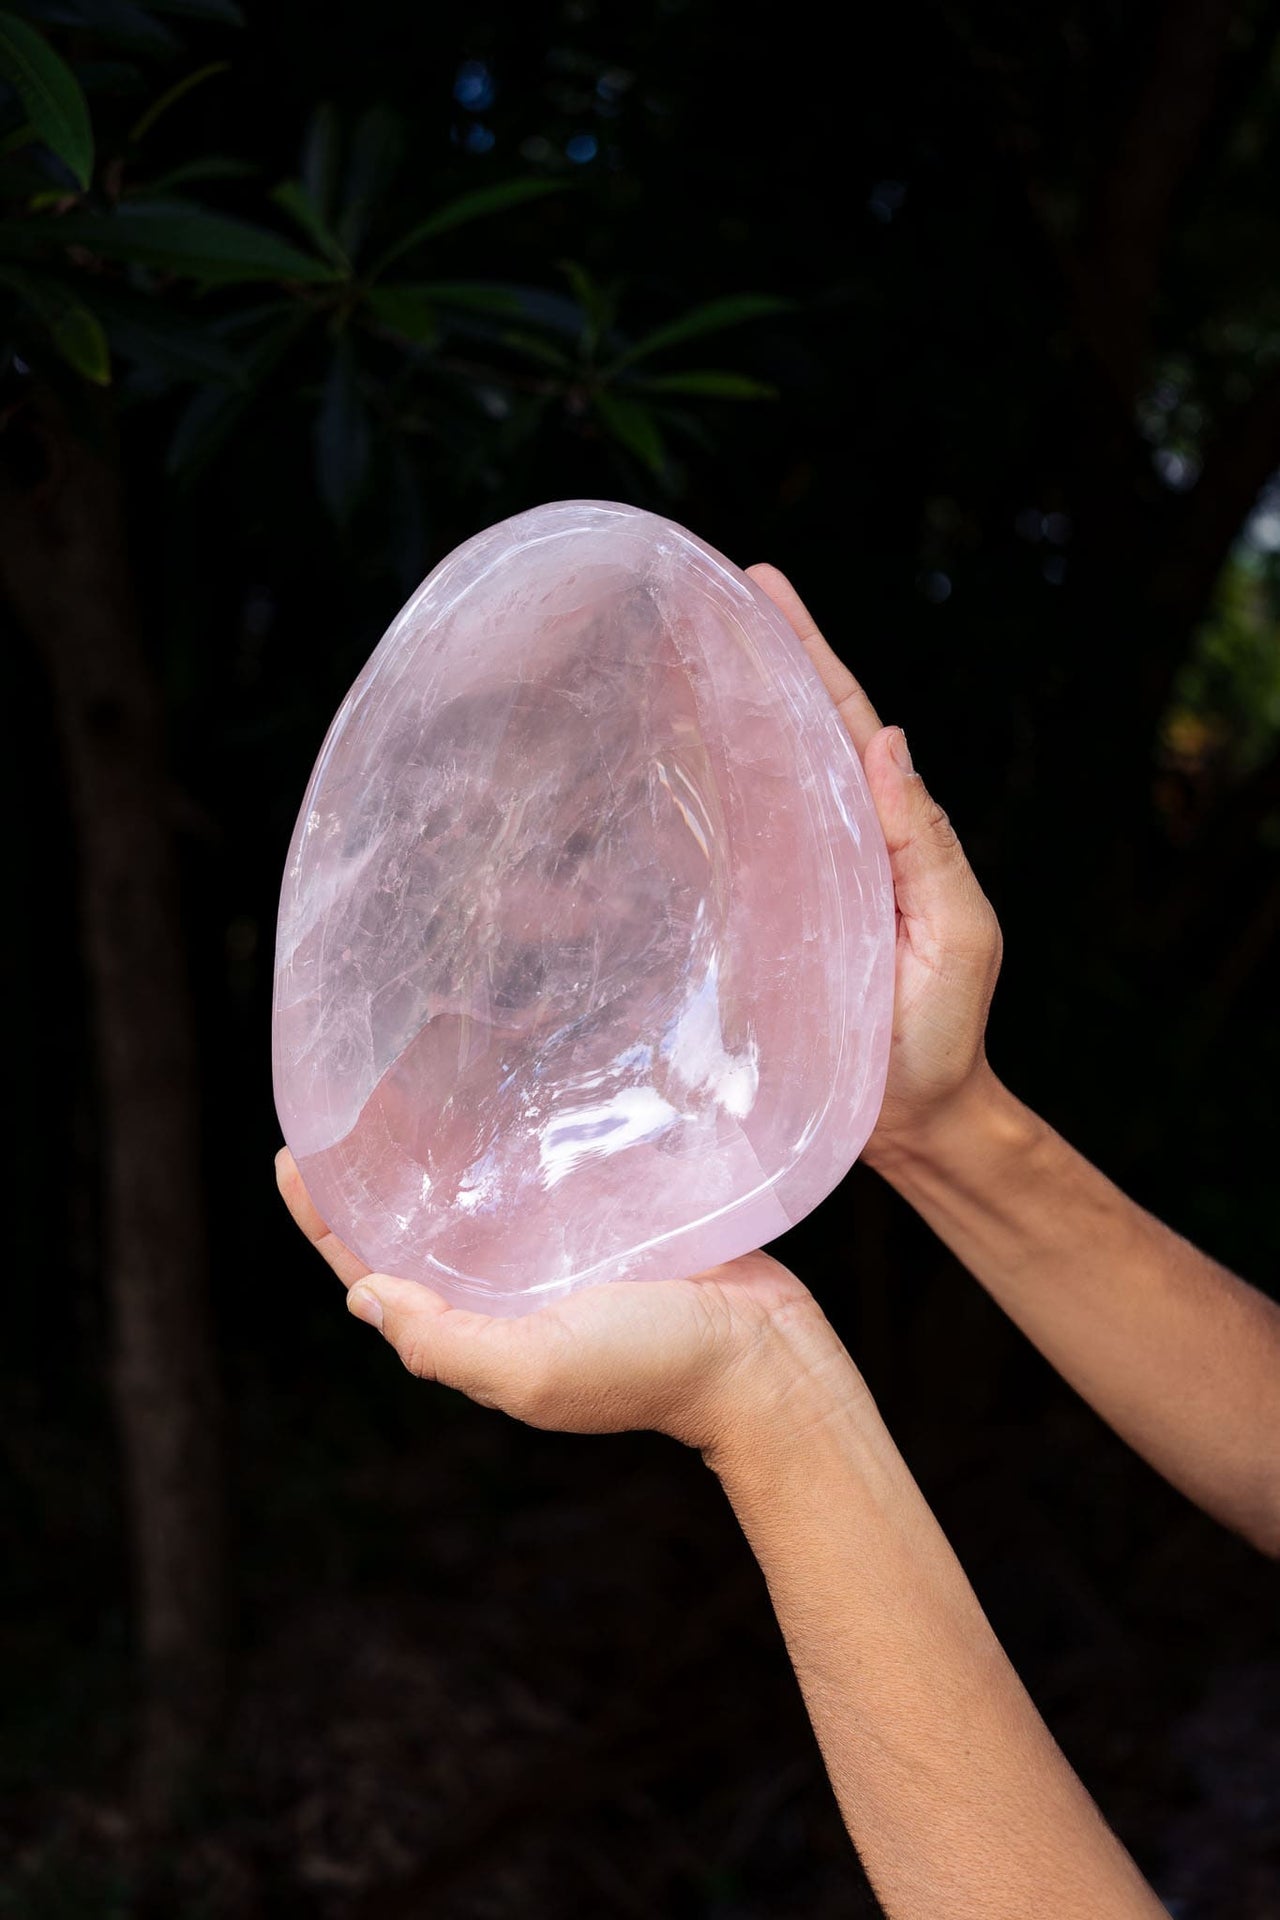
(148, 335)
(599, 305)
(214, 415)
(212, 166)
(711, 385)
(417, 311)
(50, 95)
(75, 332)
(294, 199)
(535, 348)
(180, 238)
(633, 427)
(204, 426)
(688, 426)
(341, 437)
(479, 205)
(319, 167)
(376, 152)
(711, 318)
(472, 296)
(408, 311)
(170, 97)
(79, 338)
(41, 294)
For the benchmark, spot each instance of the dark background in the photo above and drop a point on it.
(1018, 456)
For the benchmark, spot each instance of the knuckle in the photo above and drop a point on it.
(938, 826)
(415, 1355)
(983, 936)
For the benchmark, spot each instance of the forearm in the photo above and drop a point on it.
(1178, 1355)
(956, 1796)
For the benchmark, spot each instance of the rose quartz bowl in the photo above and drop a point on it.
(585, 958)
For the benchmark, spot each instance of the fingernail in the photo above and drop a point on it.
(900, 751)
(366, 1306)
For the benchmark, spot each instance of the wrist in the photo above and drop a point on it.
(979, 1121)
(795, 1382)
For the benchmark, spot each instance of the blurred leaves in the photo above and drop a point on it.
(79, 337)
(711, 318)
(591, 368)
(176, 237)
(76, 333)
(293, 198)
(1230, 685)
(50, 94)
(711, 384)
(163, 344)
(342, 436)
(481, 205)
(597, 305)
(389, 375)
(350, 196)
(210, 167)
(410, 312)
(634, 427)
(171, 96)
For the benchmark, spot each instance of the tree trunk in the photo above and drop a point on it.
(64, 569)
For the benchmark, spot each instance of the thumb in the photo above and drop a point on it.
(936, 890)
(484, 1358)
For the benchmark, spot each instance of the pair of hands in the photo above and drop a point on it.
(691, 1357)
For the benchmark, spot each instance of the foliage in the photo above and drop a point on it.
(1231, 681)
(309, 293)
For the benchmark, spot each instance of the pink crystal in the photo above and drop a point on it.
(585, 960)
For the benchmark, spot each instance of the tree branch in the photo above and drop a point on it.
(65, 572)
(1119, 263)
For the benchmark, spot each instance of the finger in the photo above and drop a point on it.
(494, 1361)
(936, 889)
(347, 1265)
(856, 712)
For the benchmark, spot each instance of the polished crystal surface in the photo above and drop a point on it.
(585, 956)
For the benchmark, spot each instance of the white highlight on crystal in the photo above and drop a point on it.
(695, 1051)
(691, 820)
(633, 1114)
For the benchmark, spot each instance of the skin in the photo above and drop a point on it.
(951, 1786)
(1181, 1357)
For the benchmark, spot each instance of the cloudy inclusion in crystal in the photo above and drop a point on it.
(585, 953)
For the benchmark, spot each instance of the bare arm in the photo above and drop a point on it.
(1178, 1355)
(956, 1796)
(955, 1793)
